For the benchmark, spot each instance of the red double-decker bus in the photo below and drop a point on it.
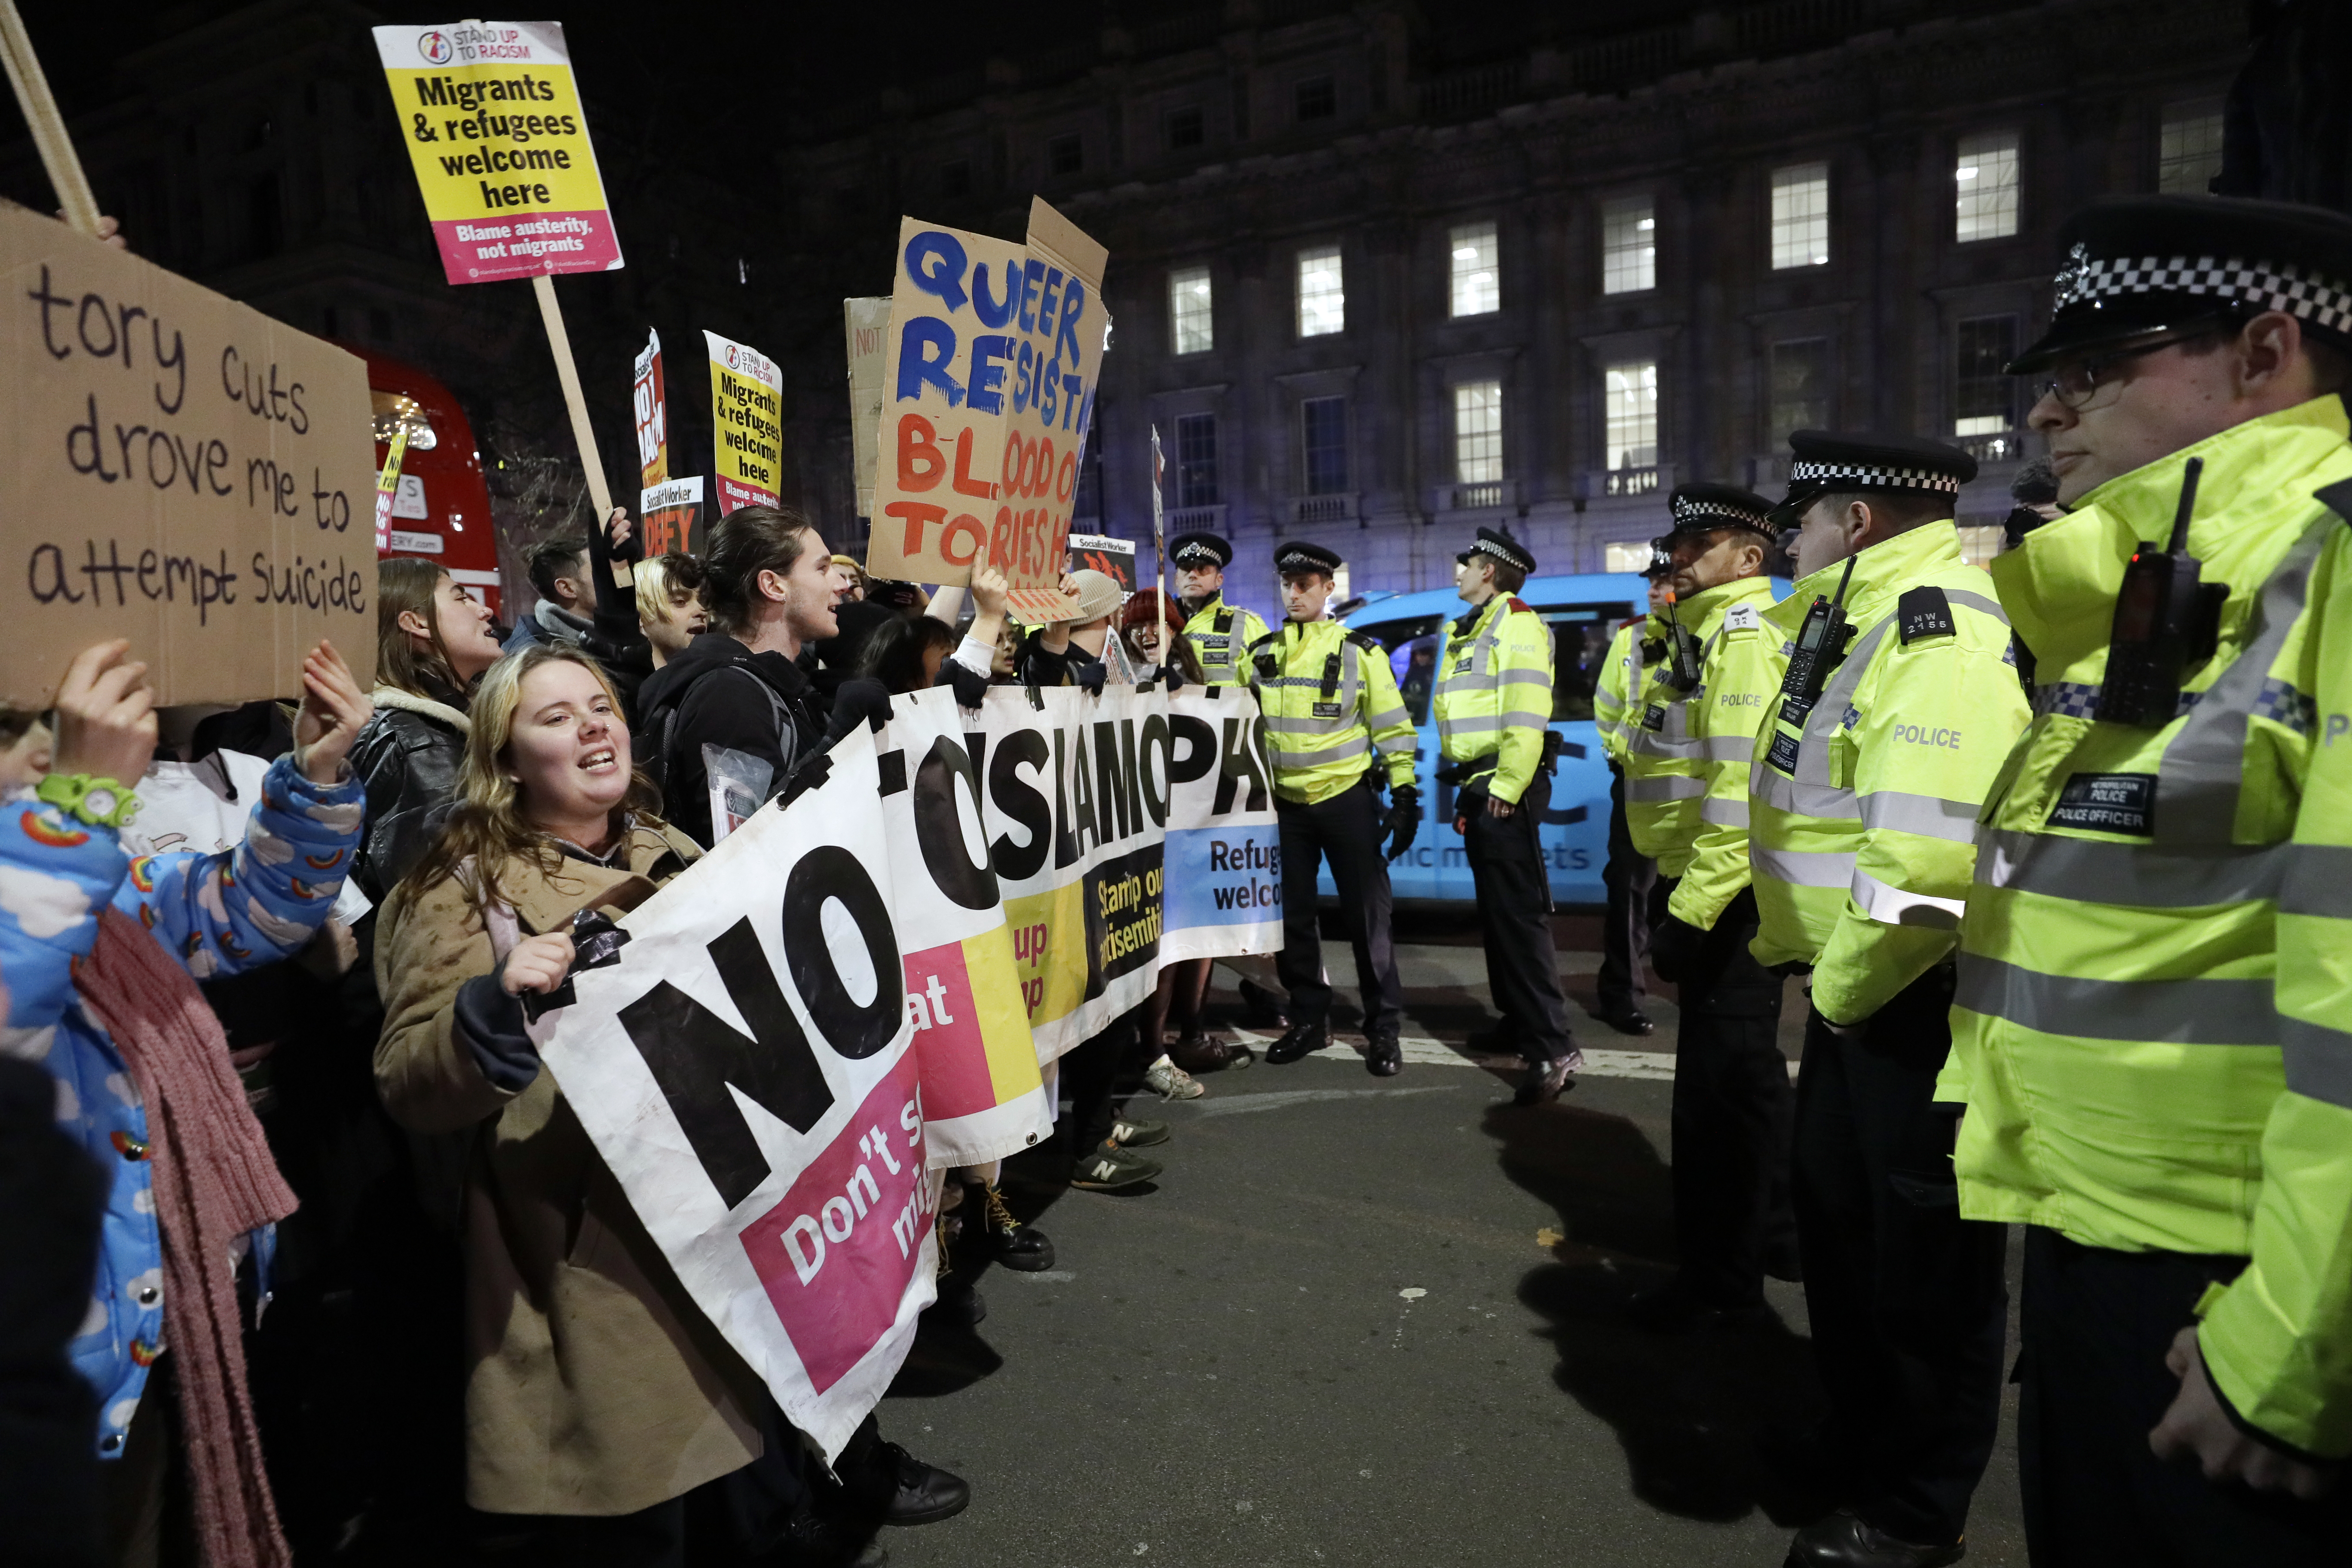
(442, 510)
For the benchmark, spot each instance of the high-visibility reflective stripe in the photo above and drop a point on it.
(1452, 727)
(1649, 743)
(2318, 1059)
(1526, 718)
(1928, 816)
(1387, 717)
(2133, 876)
(1803, 867)
(1893, 905)
(1781, 793)
(1390, 746)
(2203, 765)
(2318, 880)
(1724, 812)
(2175, 1012)
(1669, 787)
(1979, 603)
(1355, 746)
(1727, 748)
(1299, 724)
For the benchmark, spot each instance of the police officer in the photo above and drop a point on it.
(1332, 712)
(2154, 1019)
(1494, 729)
(1628, 874)
(1687, 806)
(1220, 633)
(1900, 703)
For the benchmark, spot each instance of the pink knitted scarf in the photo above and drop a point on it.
(214, 1180)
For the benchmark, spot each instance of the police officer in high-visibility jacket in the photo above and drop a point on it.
(1220, 633)
(1900, 703)
(1493, 699)
(1335, 727)
(1628, 875)
(1686, 805)
(2153, 1026)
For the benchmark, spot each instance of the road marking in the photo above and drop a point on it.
(1657, 1066)
(1242, 1104)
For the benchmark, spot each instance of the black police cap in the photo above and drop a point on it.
(1201, 549)
(1298, 556)
(2145, 264)
(1702, 508)
(1498, 543)
(1824, 462)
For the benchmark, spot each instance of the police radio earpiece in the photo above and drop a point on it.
(1820, 647)
(2166, 622)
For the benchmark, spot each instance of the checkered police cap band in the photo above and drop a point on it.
(1508, 554)
(2323, 301)
(1688, 509)
(1301, 561)
(1197, 550)
(1872, 477)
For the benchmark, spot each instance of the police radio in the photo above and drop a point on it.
(1820, 647)
(1684, 663)
(2166, 621)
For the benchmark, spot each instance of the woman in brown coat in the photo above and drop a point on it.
(596, 1389)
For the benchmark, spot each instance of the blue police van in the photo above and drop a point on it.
(1583, 611)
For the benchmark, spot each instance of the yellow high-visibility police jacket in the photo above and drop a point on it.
(1331, 702)
(1221, 635)
(1861, 809)
(1621, 679)
(2154, 1020)
(1494, 695)
(1686, 752)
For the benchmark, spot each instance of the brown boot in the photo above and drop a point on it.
(1198, 1053)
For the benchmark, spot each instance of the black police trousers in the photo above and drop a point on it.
(1730, 1117)
(1628, 878)
(1907, 1298)
(1346, 830)
(1514, 896)
(2096, 1324)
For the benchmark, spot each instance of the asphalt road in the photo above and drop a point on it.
(1376, 1321)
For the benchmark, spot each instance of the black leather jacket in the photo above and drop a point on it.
(408, 757)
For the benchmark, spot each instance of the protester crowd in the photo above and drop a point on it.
(364, 1287)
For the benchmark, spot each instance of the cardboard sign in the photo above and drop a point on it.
(1114, 558)
(672, 511)
(995, 351)
(651, 407)
(868, 324)
(747, 410)
(178, 470)
(499, 143)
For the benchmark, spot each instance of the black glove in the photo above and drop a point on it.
(1674, 947)
(1404, 818)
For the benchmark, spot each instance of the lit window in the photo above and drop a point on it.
(1188, 311)
(1630, 414)
(1322, 293)
(2188, 149)
(1800, 215)
(1984, 399)
(1196, 459)
(1629, 245)
(1633, 555)
(1323, 435)
(1478, 286)
(1985, 176)
(1800, 388)
(1478, 432)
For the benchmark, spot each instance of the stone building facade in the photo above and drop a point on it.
(1372, 299)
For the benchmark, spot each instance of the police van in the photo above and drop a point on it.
(1583, 611)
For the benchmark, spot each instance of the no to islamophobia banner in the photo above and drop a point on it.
(855, 990)
(499, 143)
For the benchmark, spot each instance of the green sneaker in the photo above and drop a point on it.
(1109, 1168)
(1130, 1134)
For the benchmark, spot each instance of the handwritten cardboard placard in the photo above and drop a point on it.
(867, 323)
(747, 412)
(995, 351)
(178, 470)
(499, 143)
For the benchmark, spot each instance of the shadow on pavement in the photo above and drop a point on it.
(1713, 1422)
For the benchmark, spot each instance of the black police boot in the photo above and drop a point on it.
(1547, 1080)
(923, 1494)
(1844, 1540)
(1383, 1058)
(1631, 1020)
(1298, 1040)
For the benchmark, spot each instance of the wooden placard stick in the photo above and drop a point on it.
(559, 342)
(40, 106)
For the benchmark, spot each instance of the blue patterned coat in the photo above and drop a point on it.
(218, 914)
